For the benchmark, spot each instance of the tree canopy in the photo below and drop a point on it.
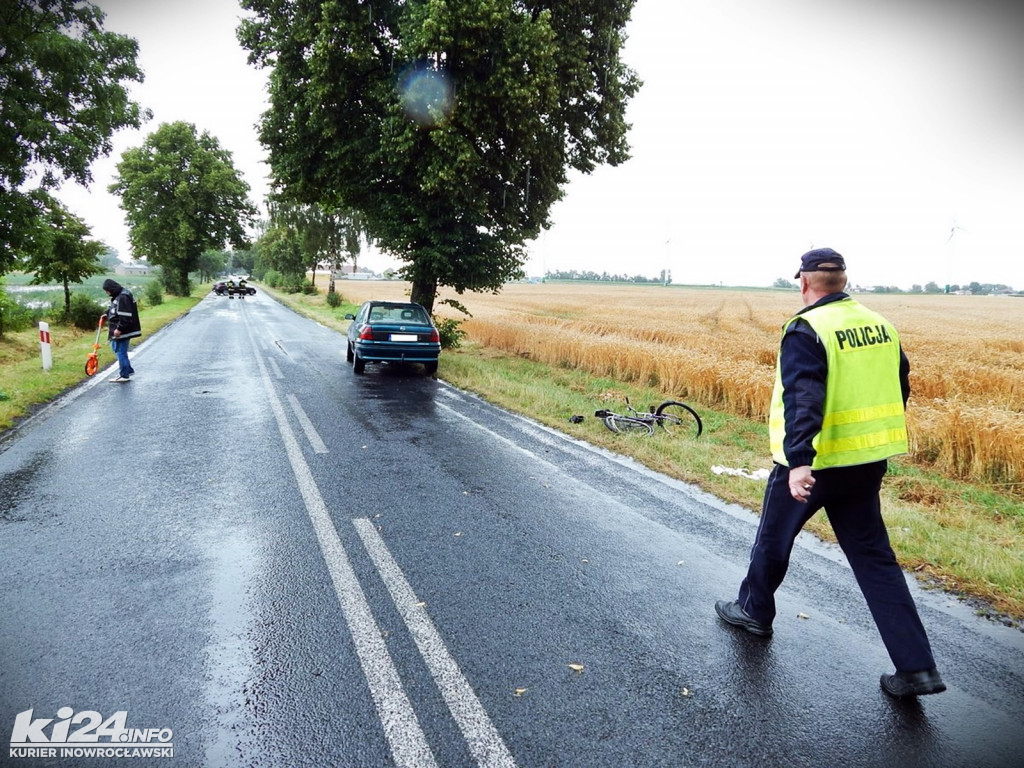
(211, 263)
(181, 195)
(450, 125)
(280, 249)
(62, 96)
(62, 252)
(325, 237)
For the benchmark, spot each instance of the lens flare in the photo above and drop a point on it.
(427, 96)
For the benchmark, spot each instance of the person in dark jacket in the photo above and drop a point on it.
(122, 326)
(837, 416)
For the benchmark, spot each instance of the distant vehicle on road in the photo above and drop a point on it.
(232, 288)
(392, 332)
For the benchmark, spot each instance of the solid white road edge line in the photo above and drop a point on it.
(490, 432)
(307, 426)
(408, 743)
(483, 739)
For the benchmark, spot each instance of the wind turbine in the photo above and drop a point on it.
(954, 228)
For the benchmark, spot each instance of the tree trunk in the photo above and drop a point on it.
(178, 284)
(424, 291)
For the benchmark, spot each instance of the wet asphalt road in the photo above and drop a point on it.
(284, 564)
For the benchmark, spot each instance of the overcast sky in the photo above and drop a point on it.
(876, 127)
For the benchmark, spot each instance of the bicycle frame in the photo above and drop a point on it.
(670, 412)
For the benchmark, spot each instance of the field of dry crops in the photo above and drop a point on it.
(718, 348)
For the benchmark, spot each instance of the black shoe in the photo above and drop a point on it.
(904, 684)
(731, 613)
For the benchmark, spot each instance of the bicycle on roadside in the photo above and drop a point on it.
(672, 416)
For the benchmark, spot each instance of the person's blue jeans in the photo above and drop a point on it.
(120, 347)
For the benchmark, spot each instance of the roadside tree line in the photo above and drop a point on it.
(589, 275)
(63, 93)
(442, 133)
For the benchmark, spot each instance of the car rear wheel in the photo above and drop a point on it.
(358, 364)
(431, 367)
(348, 353)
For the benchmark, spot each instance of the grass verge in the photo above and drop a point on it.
(952, 535)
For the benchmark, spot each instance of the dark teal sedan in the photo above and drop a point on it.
(392, 332)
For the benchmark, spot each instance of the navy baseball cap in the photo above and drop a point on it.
(821, 260)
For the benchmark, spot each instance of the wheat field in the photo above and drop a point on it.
(717, 347)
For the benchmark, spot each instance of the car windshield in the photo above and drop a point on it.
(398, 313)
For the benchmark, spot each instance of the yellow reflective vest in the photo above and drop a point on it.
(864, 417)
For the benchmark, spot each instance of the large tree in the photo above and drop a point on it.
(62, 251)
(449, 124)
(181, 195)
(62, 95)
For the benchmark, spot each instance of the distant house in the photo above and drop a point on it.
(134, 268)
(346, 272)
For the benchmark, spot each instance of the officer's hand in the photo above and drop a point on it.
(117, 332)
(800, 483)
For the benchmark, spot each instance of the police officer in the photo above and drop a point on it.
(837, 415)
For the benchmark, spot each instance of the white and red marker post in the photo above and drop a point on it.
(44, 345)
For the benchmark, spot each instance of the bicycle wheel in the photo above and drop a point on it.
(679, 419)
(624, 424)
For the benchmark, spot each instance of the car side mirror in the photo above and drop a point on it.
(350, 316)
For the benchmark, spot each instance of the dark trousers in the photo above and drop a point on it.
(849, 496)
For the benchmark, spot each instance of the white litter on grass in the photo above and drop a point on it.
(759, 474)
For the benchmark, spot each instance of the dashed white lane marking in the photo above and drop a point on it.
(307, 426)
(405, 737)
(483, 739)
(275, 368)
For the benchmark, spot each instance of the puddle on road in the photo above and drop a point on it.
(18, 495)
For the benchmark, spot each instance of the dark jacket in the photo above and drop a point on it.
(122, 314)
(804, 368)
